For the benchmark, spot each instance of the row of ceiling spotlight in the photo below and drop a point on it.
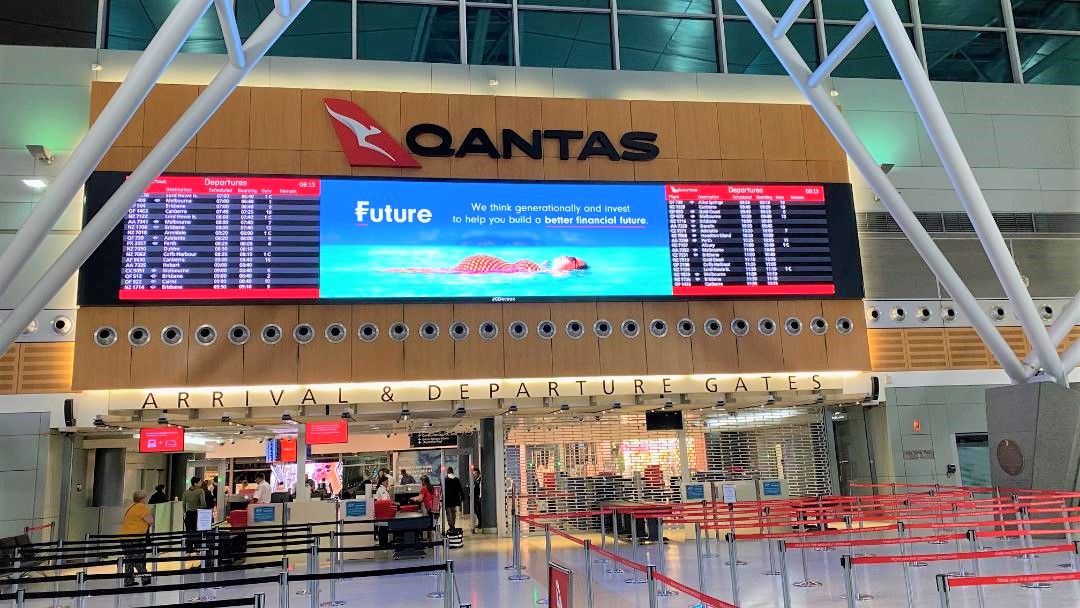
(904, 313)
(304, 333)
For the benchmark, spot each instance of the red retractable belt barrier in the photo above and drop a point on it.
(1015, 533)
(825, 544)
(944, 557)
(706, 600)
(996, 524)
(1012, 579)
(568, 537)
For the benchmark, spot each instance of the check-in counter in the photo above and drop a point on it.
(359, 510)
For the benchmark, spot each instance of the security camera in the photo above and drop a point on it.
(40, 153)
(226, 419)
(346, 415)
(221, 442)
(286, 417)
(163, 420)
(240, 433)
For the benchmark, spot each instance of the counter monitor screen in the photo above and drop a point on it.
(210, 238)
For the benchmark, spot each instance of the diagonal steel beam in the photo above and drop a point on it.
(226, 12)
(100, 137)
(857, 152)
(963, 181)
(106, 219)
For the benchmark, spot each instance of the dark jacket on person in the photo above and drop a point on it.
(455, 494)
(158, 498)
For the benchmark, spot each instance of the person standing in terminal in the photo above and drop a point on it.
(262, 489)
(476, 499)
(194, 498)
(159, 496)
(454, 497)
(407, 479)
(136, 524)
(383, 491)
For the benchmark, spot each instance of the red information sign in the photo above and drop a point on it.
(161, 439)
(560, 587)
(325, 433)
(916, 425)
(288, 449)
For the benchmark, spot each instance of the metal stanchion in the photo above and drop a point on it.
(650, 578)
(20, 598)
(905, 565)
(80, 586)
(440, 587)
(943, 590)
(772, 571)
(205, 593)
(805, 582)
(664, 591)
(588, 574)
(975, 568)
(1068, 536)
(515, 530)
(56, 572)
(733, 563)
(259, 601)
(283, 589)
(310, 569)
(119, 583)
(781, 547)
(448, 581)
(710, 518)
(616, 568)
(731, 530)
(849, 580)
(635, 576)
(547, 560)
(960, 572)
(700, 563)
(903, 532)
(154, 570)
(1031, 565)
(603, 539)
(335, 568)
(313, 568)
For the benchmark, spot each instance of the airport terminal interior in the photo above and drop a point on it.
(507, 303)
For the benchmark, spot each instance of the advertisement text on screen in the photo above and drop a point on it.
(363, 140)
(161, 439)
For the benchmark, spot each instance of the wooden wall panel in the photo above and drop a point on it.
(466, 113)
(220, 160)
(568, 114)
(433, 108)
(1017, 341)
(826, 171)
(220, 363)
(530, 357)
(656, 117)
(387, 106)
(522, 114)
(316, 126)
(575, 356)
(887, 351)
(229, 126)
(322, 361)
(961, 348)
(424, 359)
(45, 367)
(475, 357)
(925, 349)
(744, 170)
(121, 158)
(805, 351)
(100, 94)
(97, 367)
(782, 132)
(611, 116)
(382, 359)
(758, 352)
(619, 355)
(846, 352)
(740, 131)
(697, 129)
(785, 170)
(9, 370)
(673, 353)
(713, 354)
(274, 162)
(163, 105)
(698, 170)
(275, 119)
(315, 162)
(817, 140)
(156, 364)
(659, 170)
(271, 363)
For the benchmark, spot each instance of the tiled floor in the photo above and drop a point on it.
(483, 581)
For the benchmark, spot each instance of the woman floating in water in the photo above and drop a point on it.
(489, 264)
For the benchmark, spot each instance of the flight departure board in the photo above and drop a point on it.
(193, 238)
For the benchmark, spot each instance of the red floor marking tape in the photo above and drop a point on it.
(943, 557)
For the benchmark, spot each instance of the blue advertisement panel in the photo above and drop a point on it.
(262, 515)
(356, 508)
(772, 488)
(695, 491)
(384, 239)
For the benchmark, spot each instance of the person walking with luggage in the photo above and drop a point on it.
(476, 497)
(454, 497)
(136, 525)
(194, 498)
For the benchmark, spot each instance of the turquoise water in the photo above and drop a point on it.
(366, 271)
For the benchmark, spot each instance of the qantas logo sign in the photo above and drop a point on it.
(363, 140)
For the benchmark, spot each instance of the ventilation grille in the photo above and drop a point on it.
(573, 463)
(957, 222)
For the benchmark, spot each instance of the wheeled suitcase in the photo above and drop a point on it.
(455, 538)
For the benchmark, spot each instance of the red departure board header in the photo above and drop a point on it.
(212, 185)
(690, 193)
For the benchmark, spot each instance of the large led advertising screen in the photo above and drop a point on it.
(207, 238)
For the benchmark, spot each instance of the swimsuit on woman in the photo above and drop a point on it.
(482, 264)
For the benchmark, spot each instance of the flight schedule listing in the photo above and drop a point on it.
(208, 237)
(746, 240)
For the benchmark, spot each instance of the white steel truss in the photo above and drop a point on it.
(882, 15)
(158, 55)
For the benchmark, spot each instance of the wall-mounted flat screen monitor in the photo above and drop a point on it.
(663, 420)
(192, 238)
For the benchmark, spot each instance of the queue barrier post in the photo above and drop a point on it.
(335, 567)
(616, 568)
(154, 552)
(440, 590)
(283, 589)
(603, 539)
(733, 566)
(849, 580)
(259, 601)
(635, 577)
(781, 550)
(56, 572)
(543, 601)
(20, 598)
(650, 578)
(448, 582)
(515, 531)
(205, 593)
(772, 571)
(710, 517)
(700, 562)
(905, 565)
(943, 590)
(80, 585)
(903, 532)
(313, 568)
(119, 582)
(960, 572)
(805, 582)
(1071, 564)
(975, 568)
(661, 546)
(588, 572)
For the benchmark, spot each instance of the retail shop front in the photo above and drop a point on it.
(598, 300)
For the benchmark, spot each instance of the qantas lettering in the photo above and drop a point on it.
(436, 141)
